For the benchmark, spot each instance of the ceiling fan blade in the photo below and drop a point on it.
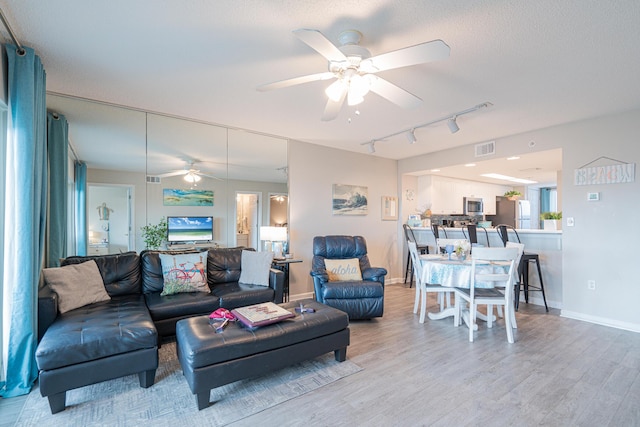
(174, 173)
(210, 176)
(419, 54)
(317, 41)
(394, 93)
(296, 81)
(332, 109)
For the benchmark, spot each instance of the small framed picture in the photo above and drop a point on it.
(389, 208)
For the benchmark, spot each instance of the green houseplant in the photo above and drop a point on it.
(155, 235)
(551, 220)
(513, 195)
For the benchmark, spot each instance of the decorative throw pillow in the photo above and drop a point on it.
(77, 285)
(255, 267)
(343, 269)
(184, 273)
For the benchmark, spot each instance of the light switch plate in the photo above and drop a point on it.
(570, 222)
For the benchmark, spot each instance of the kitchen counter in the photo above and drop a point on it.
(546, 243)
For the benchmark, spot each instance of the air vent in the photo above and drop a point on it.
(153, 179)
(485, 149)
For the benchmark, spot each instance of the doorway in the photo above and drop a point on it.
(248, 215)
(109, 219)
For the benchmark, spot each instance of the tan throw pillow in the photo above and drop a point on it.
(77, 285)
(184, 273)
(254, 267)
(343, 269)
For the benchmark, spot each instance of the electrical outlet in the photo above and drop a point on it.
(591, 285)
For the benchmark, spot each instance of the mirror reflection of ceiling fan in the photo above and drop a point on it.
(355, 69)
(191, 174)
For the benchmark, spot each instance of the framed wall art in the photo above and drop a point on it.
(180, 197)
(350, 200)
(389, 208)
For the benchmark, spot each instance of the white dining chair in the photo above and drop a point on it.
(422, 288)
(500, 294)
(516, 278)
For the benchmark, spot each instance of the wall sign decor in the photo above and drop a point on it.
(350, 200)
(617, 173)
(389, 208)
(180, 197)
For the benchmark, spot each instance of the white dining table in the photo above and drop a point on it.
(440, 270)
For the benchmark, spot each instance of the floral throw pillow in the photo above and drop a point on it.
(184, 273)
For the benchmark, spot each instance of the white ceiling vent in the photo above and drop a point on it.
(153, 179)
(485, 149)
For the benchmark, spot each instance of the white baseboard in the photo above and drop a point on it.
(298, 297)
(633, 327)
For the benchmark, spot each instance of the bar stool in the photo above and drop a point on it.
(422, 249)
(523, 268)
(471, 233)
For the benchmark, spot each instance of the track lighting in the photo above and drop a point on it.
(411, 136)
(372, 147)
(411, 132)
(453, 126)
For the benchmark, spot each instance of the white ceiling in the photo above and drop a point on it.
(540, 63)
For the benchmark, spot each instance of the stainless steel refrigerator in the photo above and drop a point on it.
(516, 213)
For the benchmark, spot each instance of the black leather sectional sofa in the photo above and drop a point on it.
(121, 336)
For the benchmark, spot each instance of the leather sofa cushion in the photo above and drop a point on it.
(234, 294)
(202, 347)
(352, 289)
(180, 305)
(120, 272)
(99, 330)
(224, 265)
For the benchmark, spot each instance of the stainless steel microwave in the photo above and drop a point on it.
(473, 206)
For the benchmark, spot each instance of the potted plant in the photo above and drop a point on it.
(513, 195)
(155, 235)
(551, 220)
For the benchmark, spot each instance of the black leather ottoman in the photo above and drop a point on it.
(211, 359)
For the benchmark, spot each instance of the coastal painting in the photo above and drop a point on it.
(180, 197)
(350, 200)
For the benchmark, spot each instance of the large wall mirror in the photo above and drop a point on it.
(142, 167)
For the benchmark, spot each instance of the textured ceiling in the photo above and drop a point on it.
(540, 63)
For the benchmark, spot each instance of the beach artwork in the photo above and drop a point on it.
(180, 197)
(350, 200)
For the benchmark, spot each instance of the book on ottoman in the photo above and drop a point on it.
(261, 314)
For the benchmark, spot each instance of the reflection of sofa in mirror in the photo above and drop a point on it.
(361, 297)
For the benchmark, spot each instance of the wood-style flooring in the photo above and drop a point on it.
(559, 372)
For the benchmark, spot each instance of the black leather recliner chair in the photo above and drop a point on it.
(360, 299)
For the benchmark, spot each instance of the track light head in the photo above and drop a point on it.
(453, 126)
(372, 147)
(411, 136)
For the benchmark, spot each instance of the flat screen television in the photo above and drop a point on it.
(189, 228)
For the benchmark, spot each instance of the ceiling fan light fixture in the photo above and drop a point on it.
(354, 99)
(335, 90)
(192, 177)
(453, 126)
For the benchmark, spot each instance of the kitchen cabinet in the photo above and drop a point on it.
(444, 195)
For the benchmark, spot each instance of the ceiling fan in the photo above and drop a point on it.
(354, 68)
(191, 174)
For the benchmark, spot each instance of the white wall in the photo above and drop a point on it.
(313, 170)
(603, 244)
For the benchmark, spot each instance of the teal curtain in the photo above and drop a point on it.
(26, 193)
(58, 152)
(81, 207)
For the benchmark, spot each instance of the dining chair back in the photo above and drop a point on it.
(486, 269)
(422, 287)
(422, 248)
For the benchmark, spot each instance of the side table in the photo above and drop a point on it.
(283, 265)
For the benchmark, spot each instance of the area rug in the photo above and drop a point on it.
(169, 402)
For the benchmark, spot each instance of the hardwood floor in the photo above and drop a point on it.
(559, 372)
